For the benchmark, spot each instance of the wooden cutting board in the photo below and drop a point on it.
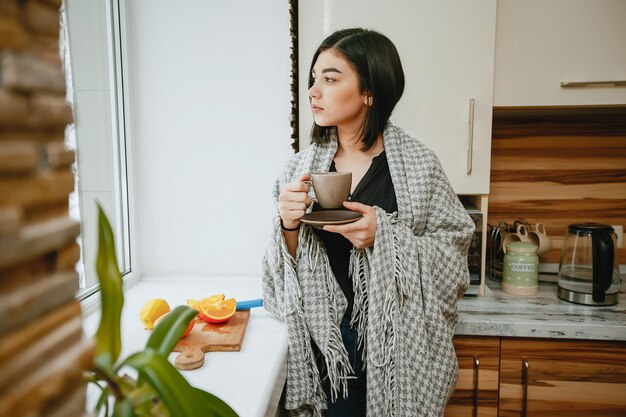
(207, 337)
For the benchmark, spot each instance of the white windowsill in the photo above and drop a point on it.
(251, 380)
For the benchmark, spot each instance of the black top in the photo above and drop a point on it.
(375, 189)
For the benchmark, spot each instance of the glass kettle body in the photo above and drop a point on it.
(589, 268)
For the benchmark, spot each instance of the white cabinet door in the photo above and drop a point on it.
(541, 43)
(447, 51)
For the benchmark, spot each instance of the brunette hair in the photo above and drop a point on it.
(376, 61)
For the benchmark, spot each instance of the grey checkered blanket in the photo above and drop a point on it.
(406, 291)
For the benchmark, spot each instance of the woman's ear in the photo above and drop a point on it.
(367, 99)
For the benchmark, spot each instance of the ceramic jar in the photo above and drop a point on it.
(520, 268)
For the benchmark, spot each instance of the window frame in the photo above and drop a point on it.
(110, 29)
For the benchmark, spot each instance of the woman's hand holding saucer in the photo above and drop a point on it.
(362, 232)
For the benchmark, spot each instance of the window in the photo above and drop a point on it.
(92, 47)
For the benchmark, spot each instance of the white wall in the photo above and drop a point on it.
(210, 132)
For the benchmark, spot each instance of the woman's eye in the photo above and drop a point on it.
(329, 80)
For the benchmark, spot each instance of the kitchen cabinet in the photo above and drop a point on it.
(476, 392)
(539, 377)
(447, 51)
(540, 44)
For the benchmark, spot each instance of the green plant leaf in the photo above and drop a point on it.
(126, 384)
(170, 329)
(108, 338)
(159, 410)
(142, 400)
(103, 367)
(102, 400)
(181, 399)
(123, 408)
(214, 403)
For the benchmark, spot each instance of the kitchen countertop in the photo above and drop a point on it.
(542, 315)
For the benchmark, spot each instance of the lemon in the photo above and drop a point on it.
(152, 310)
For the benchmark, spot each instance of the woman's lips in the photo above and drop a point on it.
(315, 108)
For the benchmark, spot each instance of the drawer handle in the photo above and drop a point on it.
(524, 387)
(476, 363)
(576, 84)
(470, 139)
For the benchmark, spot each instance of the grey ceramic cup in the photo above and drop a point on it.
(331, 188)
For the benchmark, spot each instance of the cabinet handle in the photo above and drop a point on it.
(476, 363)
(470, 140)
(524, 387)
(575, 84)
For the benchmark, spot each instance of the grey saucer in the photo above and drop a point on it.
(320, 219)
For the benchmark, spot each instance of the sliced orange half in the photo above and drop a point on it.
(218, 312)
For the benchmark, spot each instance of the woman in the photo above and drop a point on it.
(370, 306)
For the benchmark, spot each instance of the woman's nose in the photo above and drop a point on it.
(314, 92)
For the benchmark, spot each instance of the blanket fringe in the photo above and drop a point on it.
(388, 346)
(335, 355)
(338, 367)
(292, 287)
(317, 384)
(397, 289)
(401, 277)
(359, 271)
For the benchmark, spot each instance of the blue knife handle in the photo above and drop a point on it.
(248, 304)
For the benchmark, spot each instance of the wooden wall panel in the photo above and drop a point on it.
(43, 352)
(557, 166)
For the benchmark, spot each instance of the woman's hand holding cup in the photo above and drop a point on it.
(293, 201)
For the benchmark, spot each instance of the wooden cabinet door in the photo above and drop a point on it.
(476, 392)
(447, 51)
(572, 378)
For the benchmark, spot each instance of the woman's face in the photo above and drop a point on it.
(335, 96)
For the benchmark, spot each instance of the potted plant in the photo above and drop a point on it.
(159, 389)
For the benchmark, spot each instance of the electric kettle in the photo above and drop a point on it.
(589, 268)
